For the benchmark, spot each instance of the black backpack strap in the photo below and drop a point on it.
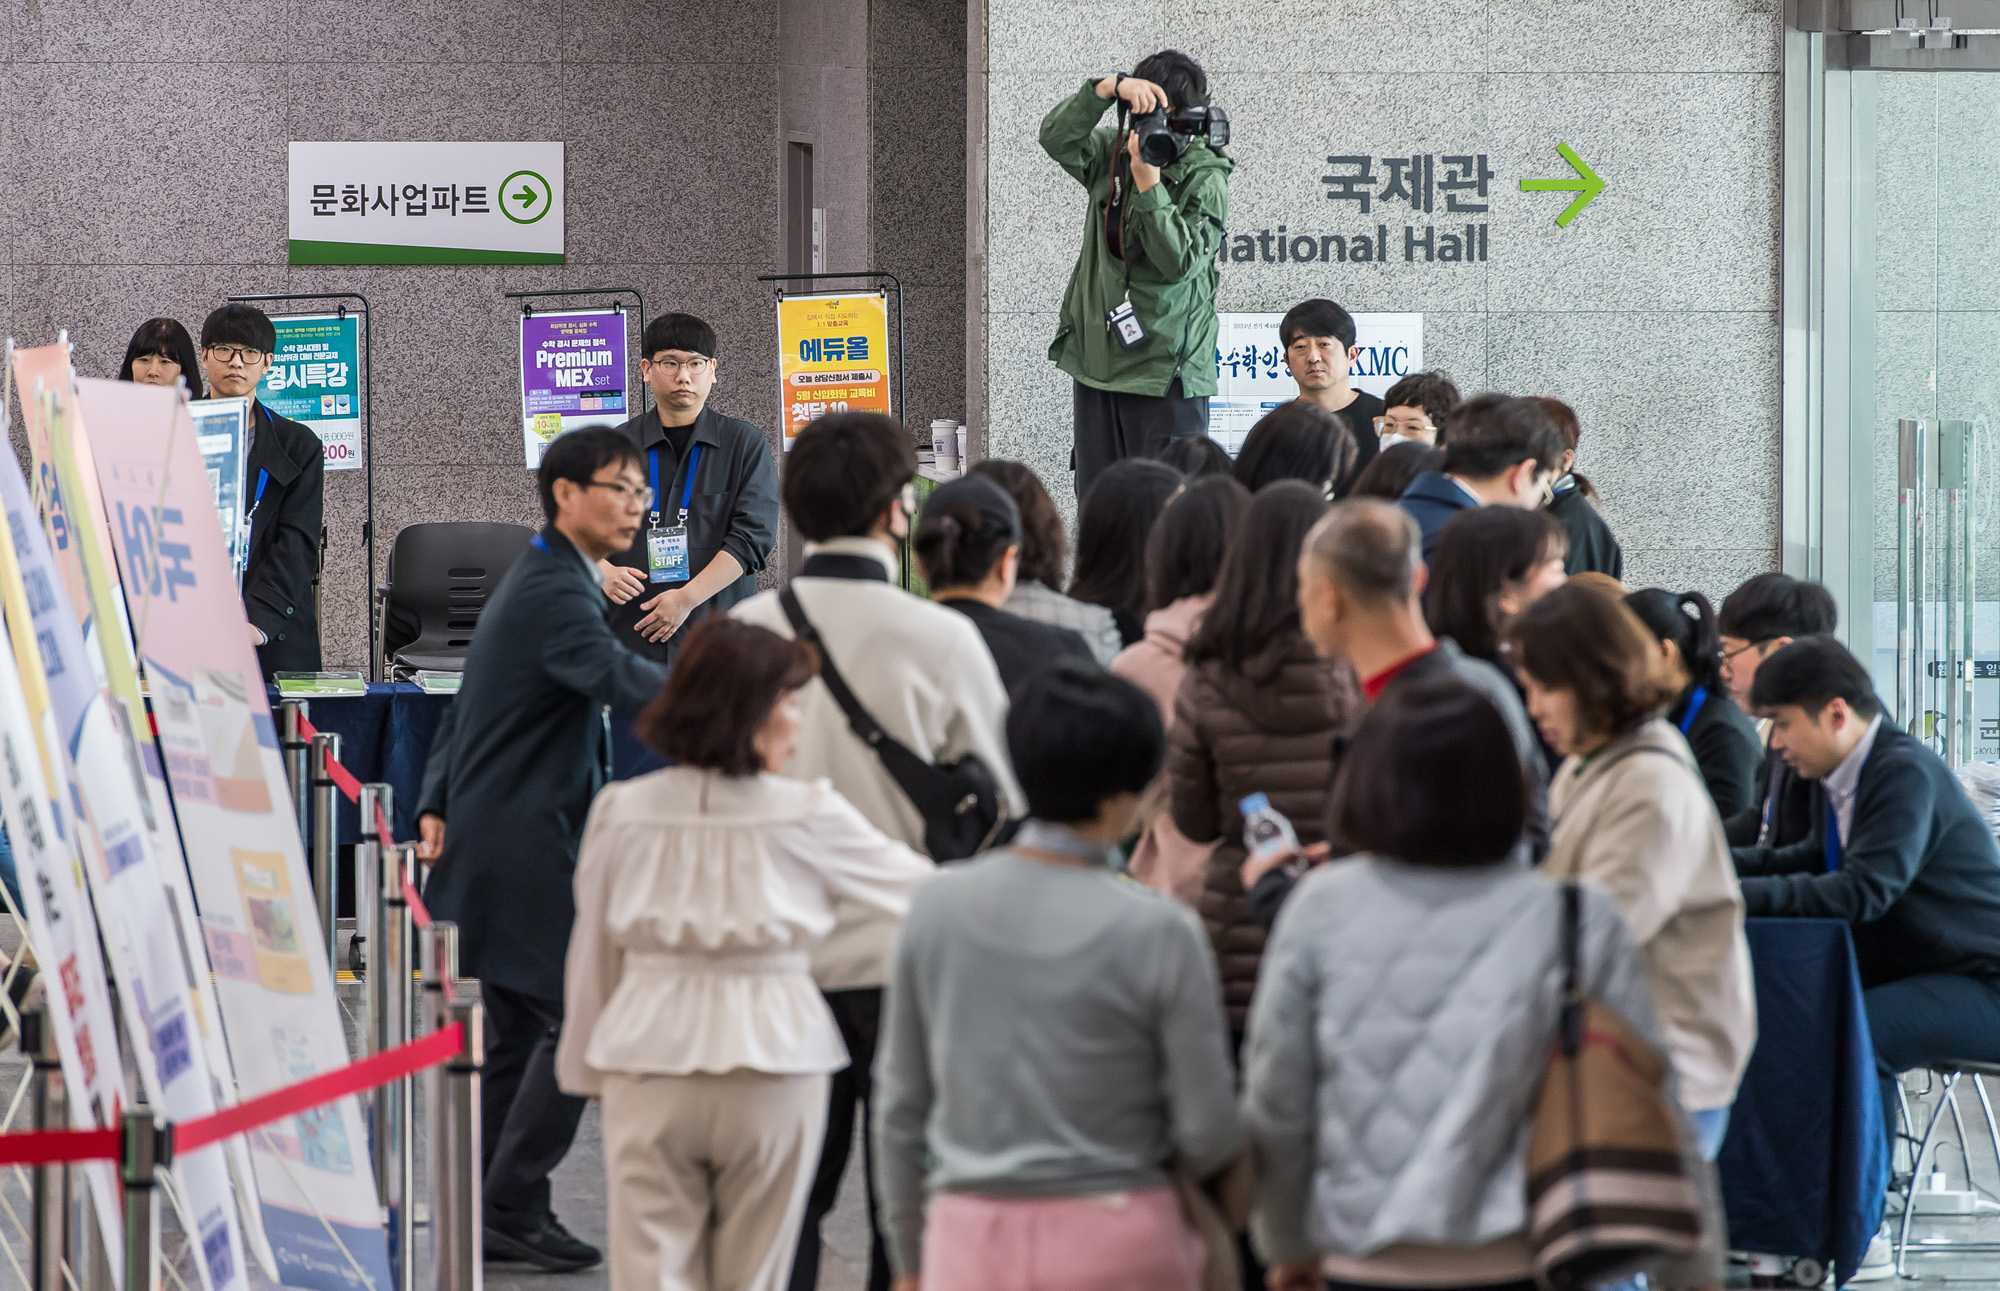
(865, 728)
(1570, 1029)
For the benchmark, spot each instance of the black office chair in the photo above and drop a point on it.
(439, 578)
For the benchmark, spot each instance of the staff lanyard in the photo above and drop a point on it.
(687, 489)
(1695, 701)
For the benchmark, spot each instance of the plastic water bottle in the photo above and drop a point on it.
(1266, 832)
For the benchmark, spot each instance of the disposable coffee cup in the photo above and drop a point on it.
(944, 443)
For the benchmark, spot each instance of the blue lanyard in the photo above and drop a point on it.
(1695, 701)
(539, 541)
(263, 478)
(687, 489)
(1832, 836)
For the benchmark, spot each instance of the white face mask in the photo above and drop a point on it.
(1389, 439)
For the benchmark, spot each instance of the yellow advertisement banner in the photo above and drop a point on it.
(833, 356)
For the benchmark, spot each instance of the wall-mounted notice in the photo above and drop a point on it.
(572, 374)
(426, 203)
(315, 379)
(1251, 377)
(833, 356)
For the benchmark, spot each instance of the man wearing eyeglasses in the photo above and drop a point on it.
(285, 478)
(713, 517)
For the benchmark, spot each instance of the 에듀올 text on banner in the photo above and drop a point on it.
(273, 974)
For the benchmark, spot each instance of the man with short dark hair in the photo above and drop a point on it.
(1320, 341)
(1138, 325)
(1899, 852)
(714, 517)
(285, 477)
(1498, 451)
(922, 672)
(515, 764)
(1757, 620)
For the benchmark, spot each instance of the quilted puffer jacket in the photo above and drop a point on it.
(1396, 1045)
(1268, 729)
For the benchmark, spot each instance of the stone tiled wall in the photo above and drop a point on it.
(144, 158)
(1654, 313)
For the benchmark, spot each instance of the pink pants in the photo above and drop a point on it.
(1121, 1241)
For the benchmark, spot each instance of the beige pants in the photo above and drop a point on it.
(708, 1177)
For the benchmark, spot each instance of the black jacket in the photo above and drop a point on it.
(1919, 878)
(1725, 748)
(1432, 500)
(1591, 544)
(1795, 812)
(520, 754)
(733, 507)
(1020, 646)
(281, 571)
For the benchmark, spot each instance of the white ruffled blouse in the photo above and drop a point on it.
(699, 898)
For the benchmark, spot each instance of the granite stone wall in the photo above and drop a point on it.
(1654, 313)
(144, 154)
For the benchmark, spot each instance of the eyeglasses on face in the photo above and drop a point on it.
(642, 495)
(1729, 656)
(674, 367)
(230, 355)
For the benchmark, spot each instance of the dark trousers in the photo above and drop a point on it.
(858, 1013)
(1111, 426)
(1930, 1019)
(526, 1123)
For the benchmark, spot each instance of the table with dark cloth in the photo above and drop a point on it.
(1805, 1165)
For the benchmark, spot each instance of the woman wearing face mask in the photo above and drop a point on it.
(161, 353)
(692, 1013)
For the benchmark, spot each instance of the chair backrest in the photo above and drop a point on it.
(439, 578)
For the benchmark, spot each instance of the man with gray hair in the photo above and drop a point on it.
(1361, 583)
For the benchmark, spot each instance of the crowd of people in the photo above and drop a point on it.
(1254, 851)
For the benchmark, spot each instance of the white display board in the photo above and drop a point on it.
(1251, 378)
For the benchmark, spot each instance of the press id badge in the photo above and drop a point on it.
(667, 555)
(1124, 320)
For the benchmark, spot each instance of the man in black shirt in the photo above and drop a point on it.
(285, 476)
(1319, 340)
(713, 519)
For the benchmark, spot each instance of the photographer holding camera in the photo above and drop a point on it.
(1138, 320)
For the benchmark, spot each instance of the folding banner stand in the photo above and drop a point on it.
(367, 433)
(896, 392)
(611, 301)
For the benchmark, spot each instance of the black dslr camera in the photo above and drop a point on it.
(1164, 136)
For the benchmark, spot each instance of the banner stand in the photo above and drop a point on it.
(897, 394)
(610, 294)
(367, 440)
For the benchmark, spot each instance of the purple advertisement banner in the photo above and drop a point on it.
(573, 373)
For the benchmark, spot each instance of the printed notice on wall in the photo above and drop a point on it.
(572, 375)
(1251, 377)
(833, 356)
(315, 379)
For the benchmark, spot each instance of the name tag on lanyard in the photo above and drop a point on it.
(667, 557)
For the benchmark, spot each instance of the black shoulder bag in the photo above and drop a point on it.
(959, 800)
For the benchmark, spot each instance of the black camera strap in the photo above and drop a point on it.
(1114, 211)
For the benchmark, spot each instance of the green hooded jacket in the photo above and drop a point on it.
(1176, 224)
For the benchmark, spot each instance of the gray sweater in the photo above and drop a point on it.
(1049, 1031)
(1399, 1033)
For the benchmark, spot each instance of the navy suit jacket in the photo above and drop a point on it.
(1432, 500)
(1919, 878)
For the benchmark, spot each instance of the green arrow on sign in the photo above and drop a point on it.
(1586, 185)
(526, 197)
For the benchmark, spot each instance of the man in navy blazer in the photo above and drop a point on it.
(1900, 853)
(1498, 451)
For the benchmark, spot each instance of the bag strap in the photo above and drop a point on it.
(1570, 1029)
(865, 727)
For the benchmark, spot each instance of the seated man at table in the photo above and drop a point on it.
(1756, 621)
(1900, 853)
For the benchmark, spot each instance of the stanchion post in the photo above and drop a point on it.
(458, 1235)
(146, 1147)
(324, 808)
(390, 967)
(50, 1202)
(292, 720)
(368, 866)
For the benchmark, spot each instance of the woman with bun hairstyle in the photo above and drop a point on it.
(1723, 738)
(968, 542)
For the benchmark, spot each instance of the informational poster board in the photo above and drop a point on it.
(573, 374)
(425, 202)
(315, 379)
(1251, 377)
(272, 971)
(221, 429)
(833, 356)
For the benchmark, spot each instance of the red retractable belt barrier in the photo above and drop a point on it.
(351, 787)
(48, 1147)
